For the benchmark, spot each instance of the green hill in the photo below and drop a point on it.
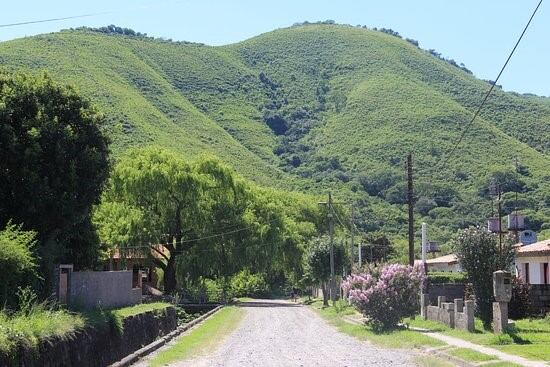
(312, 108)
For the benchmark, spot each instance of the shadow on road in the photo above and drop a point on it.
(267, 304)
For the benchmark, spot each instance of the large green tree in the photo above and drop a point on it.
(480, 253)
(53, 163)
(162, 191)
(317, 262)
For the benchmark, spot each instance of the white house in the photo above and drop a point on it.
(532, 261)
(443, 263)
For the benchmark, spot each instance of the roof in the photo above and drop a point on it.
(141, 254)
(445, 259)
(541, 248)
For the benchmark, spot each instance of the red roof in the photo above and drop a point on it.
(445, 259)
(541, 248)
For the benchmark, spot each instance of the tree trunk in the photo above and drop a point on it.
(325, 293)
(170, 275)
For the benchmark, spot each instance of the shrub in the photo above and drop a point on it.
(520, 304)
(446, 277)
(385, 296)
(245, 284)
(16, 260)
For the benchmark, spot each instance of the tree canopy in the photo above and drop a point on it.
(54, 161)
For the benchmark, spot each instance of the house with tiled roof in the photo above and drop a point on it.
(532, 262)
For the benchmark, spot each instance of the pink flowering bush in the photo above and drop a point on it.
(385, 296)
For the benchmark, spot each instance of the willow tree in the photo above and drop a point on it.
(164, 192)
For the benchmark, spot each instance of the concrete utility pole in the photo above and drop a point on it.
(331, 235)
(352, 234)
(424, 244)
(410, 202)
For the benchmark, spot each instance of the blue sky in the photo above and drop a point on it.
(478, 33)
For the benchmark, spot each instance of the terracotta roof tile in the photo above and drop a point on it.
(541, 248)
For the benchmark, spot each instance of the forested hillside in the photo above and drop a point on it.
(313, 108)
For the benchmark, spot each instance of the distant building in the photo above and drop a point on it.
(447, 263)
(532, 261)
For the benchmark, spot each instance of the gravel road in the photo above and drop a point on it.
(279, 333)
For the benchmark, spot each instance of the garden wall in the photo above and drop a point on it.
(105, 289)
(97, 347)
(540, 298)
(447, 290)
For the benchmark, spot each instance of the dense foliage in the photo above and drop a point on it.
(54, 161)
(442, 277)
(246, 284)
(480, 254)
(385, 295)
(17, 261)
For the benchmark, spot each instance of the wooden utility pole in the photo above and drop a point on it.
(331, 235)
(410, 202)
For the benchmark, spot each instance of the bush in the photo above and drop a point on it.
(442, 277)
(246, 284)
(520, 304)
(16, 261)
(385, 296)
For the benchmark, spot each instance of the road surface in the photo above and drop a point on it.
(280, 333)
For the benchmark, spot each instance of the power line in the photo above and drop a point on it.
(465, 130)
(54, 19)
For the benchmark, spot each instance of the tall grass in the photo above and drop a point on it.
(37, 324)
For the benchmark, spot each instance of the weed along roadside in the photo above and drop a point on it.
(200, 337)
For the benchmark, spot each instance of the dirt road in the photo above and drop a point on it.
(279, 333)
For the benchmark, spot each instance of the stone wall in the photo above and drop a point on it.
(97, 347)
(457, 314)
(540, 298)
(105, 289)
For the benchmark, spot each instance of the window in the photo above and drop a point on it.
(527, 273)
(545, 273)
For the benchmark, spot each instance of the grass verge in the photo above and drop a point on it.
(201, 339)
(431, 361)
(470, 355)
(529, 338)
(399, 338)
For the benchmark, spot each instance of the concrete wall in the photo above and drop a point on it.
(454, 268)
(448, 290)
(540, 298)
(106, 289)
(536, 275)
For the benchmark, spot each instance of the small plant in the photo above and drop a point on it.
(385, 296)
(26, 300)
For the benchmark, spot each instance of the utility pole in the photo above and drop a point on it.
(352, 234)
(331, 235)
(499, 220)
(410, 202)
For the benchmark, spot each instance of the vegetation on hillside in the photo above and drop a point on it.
(313, 107)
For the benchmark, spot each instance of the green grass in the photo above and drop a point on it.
(400, 338)
(395, 97)
(470, 355)
(140, 308)
(430, 361)
(530, 338)
(39, 324)
(502, 364)
(203, 338)
(42, 323)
